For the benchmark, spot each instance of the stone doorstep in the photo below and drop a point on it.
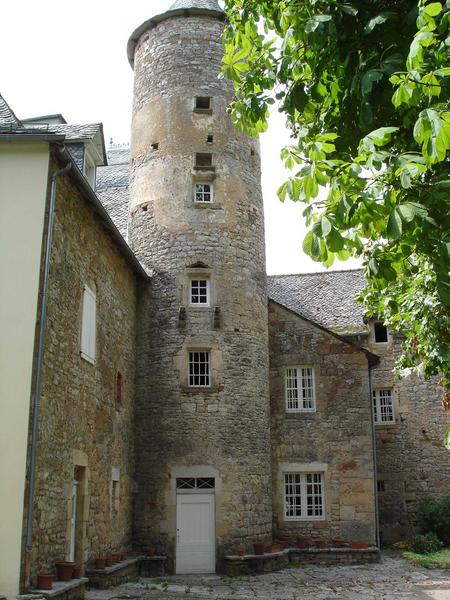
(61, 587)
(237, 558)
(114, 568)
(312, 551)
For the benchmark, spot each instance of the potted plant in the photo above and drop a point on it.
(359, 545)
(76, 573)
(302, 541)
(117, 558)
(275, 548)
(259, 548)
(109, 561)
(100, 562)
(284, 544)
(64, 569)
(320, 544)
(45, 581)
(337, 543)
(150, 551)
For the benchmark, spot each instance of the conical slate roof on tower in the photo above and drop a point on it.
(204, 4)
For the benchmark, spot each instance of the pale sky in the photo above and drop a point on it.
(70, 58)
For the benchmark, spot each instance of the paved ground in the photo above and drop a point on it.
(393, 579)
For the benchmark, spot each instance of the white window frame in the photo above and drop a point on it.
(378, 395)
(300, 389)
(211, 192)
(374, 334)
(191, 291)
(300, 483)
(191, 353)
(88, 325)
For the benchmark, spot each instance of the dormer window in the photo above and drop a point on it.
(380, 332)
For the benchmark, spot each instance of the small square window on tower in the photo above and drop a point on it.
(203, 192)
(202, 103)
(203, 160)
(199, 292)
(199, 369)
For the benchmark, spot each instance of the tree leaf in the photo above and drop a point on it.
(433, 9)
(326, 226)
(394, 226)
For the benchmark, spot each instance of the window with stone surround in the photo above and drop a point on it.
(304, 496)
(199, 368)
(300, 393)
(380, 333)
(115, 492)
(203, 192)
(383, 406)
(88, 325)
(199, 292)
(202, 103)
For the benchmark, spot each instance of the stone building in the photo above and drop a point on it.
(179, 398)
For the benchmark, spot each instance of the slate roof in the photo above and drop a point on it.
(325, 298)
(7, 116)
(203, 4)
(71, 132)
(111, 187)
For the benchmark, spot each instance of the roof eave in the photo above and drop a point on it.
(154, 21)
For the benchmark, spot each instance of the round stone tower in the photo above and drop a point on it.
(196, 220)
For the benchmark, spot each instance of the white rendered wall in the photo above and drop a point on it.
(23, 190)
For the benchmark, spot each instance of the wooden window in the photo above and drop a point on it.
(88, 325)
(300, 393)
(383, 406)
(304, 496)
(199, 369)
(199, 292)
(203, 192)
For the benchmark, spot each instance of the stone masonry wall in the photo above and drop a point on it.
(81, 426)
(223, 430)
(336, 439)
(413, 465)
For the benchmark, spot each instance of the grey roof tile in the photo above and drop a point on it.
(111, 187)
(7, 117)
(72, 132)
(325, 298)
(203, 4)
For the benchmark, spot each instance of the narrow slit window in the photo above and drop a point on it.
(199, 369)
(88, 325)
(209, 138)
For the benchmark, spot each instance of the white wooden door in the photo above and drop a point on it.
(196, 552)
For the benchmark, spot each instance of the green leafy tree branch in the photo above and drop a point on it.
(365, 87)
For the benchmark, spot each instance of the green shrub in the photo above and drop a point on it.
(436, 519)
(424, 543)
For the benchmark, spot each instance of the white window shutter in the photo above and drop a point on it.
(88, 326)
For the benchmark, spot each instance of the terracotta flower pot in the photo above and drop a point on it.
(65, 570)
(100, 563)
(320, 544)
(123, 556)
(117, 558)
(150, 550)
(337, 543)
(45, 581)
(302, 542)
(276, 548)
(359, 545)
(259, 548)
(241, 550)
(76, 573)
(284, 544)
(109, 561)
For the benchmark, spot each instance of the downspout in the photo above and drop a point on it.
(374, 452)
(39, 360)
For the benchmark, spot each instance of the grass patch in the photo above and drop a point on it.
(432, 560)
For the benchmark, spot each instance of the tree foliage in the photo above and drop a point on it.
(365, 90)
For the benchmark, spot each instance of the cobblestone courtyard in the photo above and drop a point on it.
(393, 579)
